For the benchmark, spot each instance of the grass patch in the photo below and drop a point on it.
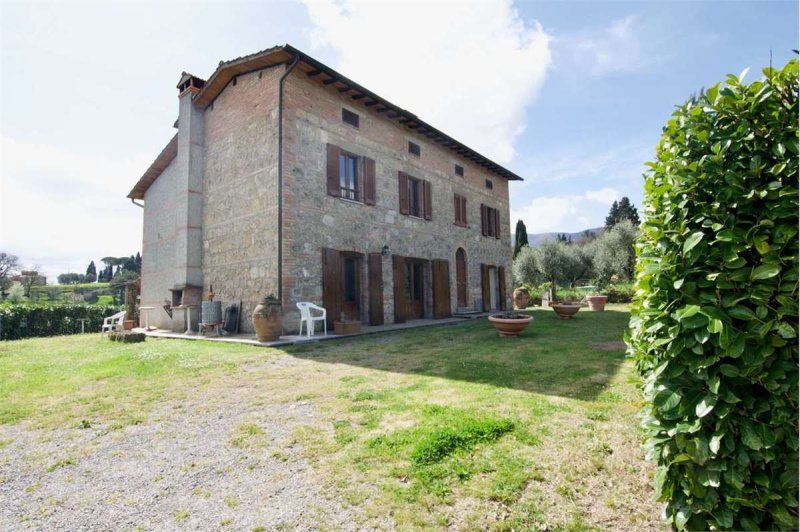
(445, 441)
(248, 435)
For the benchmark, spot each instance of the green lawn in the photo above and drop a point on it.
(436, 427)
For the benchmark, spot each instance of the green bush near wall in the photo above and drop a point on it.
(714, 321)
(27, 319)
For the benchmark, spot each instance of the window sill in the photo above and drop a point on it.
(416, 217)
(348, 200)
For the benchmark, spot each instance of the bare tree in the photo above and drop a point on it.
(8, 266)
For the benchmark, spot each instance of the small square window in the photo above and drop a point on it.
(349, 117)
(413, 149)
(489, 184)
(460, 170)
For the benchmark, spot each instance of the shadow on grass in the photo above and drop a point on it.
(571, 358)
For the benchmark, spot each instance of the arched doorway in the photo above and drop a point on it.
(461, 277)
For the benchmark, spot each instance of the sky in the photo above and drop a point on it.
(570, 95)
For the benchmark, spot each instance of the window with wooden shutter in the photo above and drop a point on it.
(333, 170)
(415, 197)
(460, 209)
(369, 181)
(428, 201)
(402, 181)
(490, 222)
(350, 176)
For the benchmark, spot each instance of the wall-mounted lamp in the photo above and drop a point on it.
(385, 251)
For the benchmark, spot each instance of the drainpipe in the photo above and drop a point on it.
(140, 205)
(280, 176)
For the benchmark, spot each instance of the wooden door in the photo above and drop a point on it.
(398, 275)
(441, 289)
(414, 288)
(332, 284)
(461, 278)
(375, 275)
(486, 291)
(501, 287)
(351, 286)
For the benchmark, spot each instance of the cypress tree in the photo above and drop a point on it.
(520, 238)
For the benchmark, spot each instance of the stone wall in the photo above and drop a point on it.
(314, 220)
(158, 245)
(240, 211)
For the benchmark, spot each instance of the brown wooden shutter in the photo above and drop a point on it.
(375, 274)
(369, 181)
(332, 284)
(441, 288)
(428, 200)
(484, 221)
(457, 209)
(403, 192)
(486, 293)
(398, 268)
(464, 210)
(501, 286)
(497, 223)
(333, 170)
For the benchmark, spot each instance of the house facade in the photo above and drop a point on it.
(287, 178)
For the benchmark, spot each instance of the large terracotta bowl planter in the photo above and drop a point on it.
(597, 303)
(510, 326)
(565, 311)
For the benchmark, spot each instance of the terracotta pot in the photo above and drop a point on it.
(564, 311)
(267, 329)
(510, 326)
(268, 319)
(521, 298)
(597, 303)
(127, 325)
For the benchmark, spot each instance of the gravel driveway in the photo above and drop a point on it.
(211, 462)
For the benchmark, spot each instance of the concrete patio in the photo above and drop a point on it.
(250, 339)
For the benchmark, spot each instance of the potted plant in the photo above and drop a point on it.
(565, 309)
(597, 302)
(510, 323)
(268, 319)
(521, 297)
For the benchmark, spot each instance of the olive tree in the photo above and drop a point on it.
(613, 252)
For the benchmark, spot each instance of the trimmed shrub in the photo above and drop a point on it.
(619, 293)
(714, 320)
(26, 320)
(127, 337)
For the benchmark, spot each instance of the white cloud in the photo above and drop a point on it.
(469, 68)
(612, 49)
(60, 209)
(568, 213)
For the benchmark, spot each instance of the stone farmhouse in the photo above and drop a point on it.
(287, 178)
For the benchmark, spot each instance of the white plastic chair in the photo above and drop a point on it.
(113, 323)
(308, 318)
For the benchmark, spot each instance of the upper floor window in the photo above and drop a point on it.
(413, 148)
(349, 117)
(460, 170)
(490, 221)
(415, 196)
(460, 209)
(350, 176)
(489, 184)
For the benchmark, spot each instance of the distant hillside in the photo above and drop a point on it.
(535, 238)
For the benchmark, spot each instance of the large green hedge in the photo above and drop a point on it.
(27, 319)
(714, 320)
